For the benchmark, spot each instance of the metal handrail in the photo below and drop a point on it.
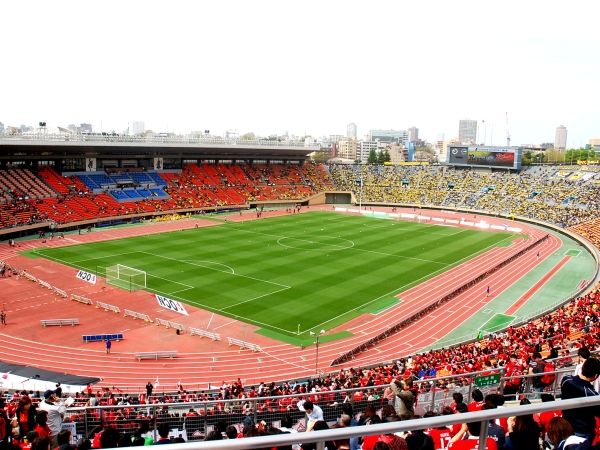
(393, 427)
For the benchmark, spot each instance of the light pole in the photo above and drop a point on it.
(357, 181)
(317, 336)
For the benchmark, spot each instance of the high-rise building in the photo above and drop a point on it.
(593, 144)
(349, 149)
(136, 128)
(365, 150)
(467, 131)
(351, 131)
(84, 128)
(413, 134)
(560, 138)
(388, 135)
(1, 127)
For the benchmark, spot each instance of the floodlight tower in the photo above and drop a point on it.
(507, 133)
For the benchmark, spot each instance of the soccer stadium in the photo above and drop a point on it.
(218, 281)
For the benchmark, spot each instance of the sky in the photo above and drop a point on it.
(308, 67)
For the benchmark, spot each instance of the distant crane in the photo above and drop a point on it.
(507, 132)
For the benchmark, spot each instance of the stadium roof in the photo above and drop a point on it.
(141, 147)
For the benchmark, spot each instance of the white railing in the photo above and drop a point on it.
(383, 428)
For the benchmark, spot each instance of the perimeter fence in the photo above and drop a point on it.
(193, 420)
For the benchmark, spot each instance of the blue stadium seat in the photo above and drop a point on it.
(157, 179)
(132, 193)
(119, 195)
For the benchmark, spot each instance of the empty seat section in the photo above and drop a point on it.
(239, 174)
(232, 193)
(132, 193)
(157, 179)
(144, 192)
(224, 171)
(101, 179)
(57, 182)
(213, 175)
(119, 194)
(91, 184)
(141, 178)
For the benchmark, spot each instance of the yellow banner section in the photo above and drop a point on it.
(169, 217)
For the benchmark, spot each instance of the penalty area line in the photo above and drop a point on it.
(254, 298)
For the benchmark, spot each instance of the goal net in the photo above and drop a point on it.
(126, 277)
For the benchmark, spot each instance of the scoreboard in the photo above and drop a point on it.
(492, 157)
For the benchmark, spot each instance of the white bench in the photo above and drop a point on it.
(156, 355)
(60, 322)
(60, 292)
(46, 285)
(29, 277)
(202, 333)
(169, 324)
(243, 345)
(107, 307)
(137, 315)
(80, 299)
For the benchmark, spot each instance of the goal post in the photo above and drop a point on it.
(126, 277)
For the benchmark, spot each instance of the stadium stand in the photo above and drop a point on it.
(83, 197)
(436, 376)
(536, 193)
(563, 196)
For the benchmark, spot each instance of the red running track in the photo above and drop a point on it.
(282, 361)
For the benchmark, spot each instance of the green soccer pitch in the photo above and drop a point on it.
(319, 269)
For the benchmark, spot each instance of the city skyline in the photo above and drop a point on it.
(263, 69)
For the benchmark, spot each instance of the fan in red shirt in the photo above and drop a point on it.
(441, 436)
(477, 402)
(547, 416)
(457, 398)
(472, 443)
